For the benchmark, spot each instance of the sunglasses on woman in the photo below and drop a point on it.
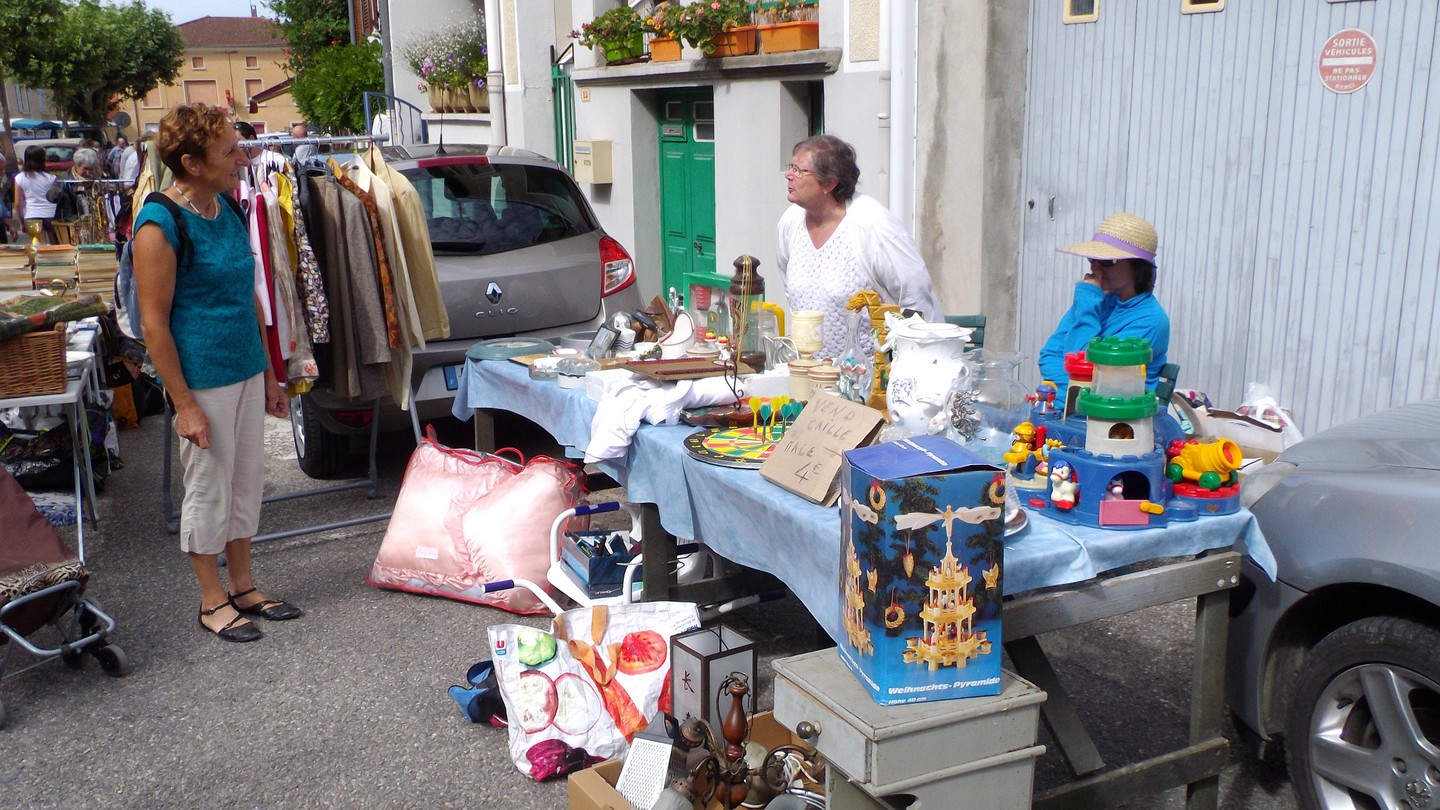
(1104, 262)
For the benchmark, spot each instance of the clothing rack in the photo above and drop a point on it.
(370, 483)
(286, 140)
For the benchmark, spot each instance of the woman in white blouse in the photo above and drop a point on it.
(833, 243)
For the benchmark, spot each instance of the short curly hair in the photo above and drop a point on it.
(832, 159)
(189, 130)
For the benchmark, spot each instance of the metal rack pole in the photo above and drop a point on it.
(370, 483)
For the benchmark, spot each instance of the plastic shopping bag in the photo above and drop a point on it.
(591, 684)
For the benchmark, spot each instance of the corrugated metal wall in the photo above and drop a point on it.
(1299, 229)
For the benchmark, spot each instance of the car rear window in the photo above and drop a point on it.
(486, 208)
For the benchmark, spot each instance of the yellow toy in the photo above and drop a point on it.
(1211, 464)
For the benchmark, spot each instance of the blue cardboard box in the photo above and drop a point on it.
(593, 559)
(922, 541)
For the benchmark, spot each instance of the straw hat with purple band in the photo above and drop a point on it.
(1120, 236)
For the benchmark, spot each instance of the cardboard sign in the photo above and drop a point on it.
(807, 459)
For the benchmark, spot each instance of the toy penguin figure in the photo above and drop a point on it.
(1063, 488)
(1115, 490)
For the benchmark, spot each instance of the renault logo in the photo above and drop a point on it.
(493, 293)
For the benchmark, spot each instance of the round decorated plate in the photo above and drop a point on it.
(742, 447)
(507, 347)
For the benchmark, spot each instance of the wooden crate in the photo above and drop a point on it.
(33, 364)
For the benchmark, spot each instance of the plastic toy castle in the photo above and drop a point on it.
(1116, 477)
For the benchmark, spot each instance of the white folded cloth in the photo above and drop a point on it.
(642, 399)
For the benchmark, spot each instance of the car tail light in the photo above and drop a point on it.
(617, 269)
(354, 419)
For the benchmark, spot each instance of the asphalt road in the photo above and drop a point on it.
(347, 706)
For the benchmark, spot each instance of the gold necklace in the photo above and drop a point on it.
(192, 204)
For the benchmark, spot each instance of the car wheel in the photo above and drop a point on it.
(321, 453)
(1364, 728)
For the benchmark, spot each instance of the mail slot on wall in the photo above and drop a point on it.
(592, 162)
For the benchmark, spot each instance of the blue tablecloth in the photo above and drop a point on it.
(750, 521)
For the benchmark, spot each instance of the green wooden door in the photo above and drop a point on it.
(687, 185)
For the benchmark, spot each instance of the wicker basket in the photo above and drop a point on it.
(33, 364)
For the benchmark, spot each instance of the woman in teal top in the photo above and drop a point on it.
(206, 335)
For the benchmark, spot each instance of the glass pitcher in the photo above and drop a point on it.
(995, 405)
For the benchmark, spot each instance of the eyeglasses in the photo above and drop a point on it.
(1104, 262)
(796, 170)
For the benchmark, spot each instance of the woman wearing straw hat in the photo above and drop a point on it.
(1114, 299)
(833, 243)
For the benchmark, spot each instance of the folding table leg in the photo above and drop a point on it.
(1058, 712)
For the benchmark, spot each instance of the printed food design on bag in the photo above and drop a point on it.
(642, 651)
(535, 648)
(538, 700)
(568, 702)
(579, 704)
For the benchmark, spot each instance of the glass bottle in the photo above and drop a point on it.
(857, 368)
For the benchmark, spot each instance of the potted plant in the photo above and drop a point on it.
(619, 32)
(711, 24)
(789, 25)
(452, 65)
(664, 47)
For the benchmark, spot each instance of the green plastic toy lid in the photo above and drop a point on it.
(1118, 351)
(1122, 408)
(508, 347)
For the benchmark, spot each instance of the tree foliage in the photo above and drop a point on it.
(329, 90)
(330, 75)
(91, 56)
(26, 27)
(310, 28)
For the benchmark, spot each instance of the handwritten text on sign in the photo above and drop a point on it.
(807, 459)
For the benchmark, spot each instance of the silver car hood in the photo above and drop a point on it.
(1408, 436)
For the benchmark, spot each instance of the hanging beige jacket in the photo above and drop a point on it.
(419, 257)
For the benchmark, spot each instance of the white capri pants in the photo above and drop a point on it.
(225, 484)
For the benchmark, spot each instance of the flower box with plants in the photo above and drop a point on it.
(716, 27)
(789, 25)
(452, 64)
(619, 33)
(664, 45)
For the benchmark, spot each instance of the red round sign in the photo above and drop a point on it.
(1348, 60)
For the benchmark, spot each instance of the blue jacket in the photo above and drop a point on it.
(1095, 314)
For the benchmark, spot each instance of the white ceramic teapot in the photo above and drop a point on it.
(929, 360)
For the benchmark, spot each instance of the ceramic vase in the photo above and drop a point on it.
(929, 362)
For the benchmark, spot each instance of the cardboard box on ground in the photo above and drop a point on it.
(594, 788)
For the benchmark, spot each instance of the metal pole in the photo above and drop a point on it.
(387, 54)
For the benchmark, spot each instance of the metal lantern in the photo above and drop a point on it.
(747, 295)
(700, 661)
